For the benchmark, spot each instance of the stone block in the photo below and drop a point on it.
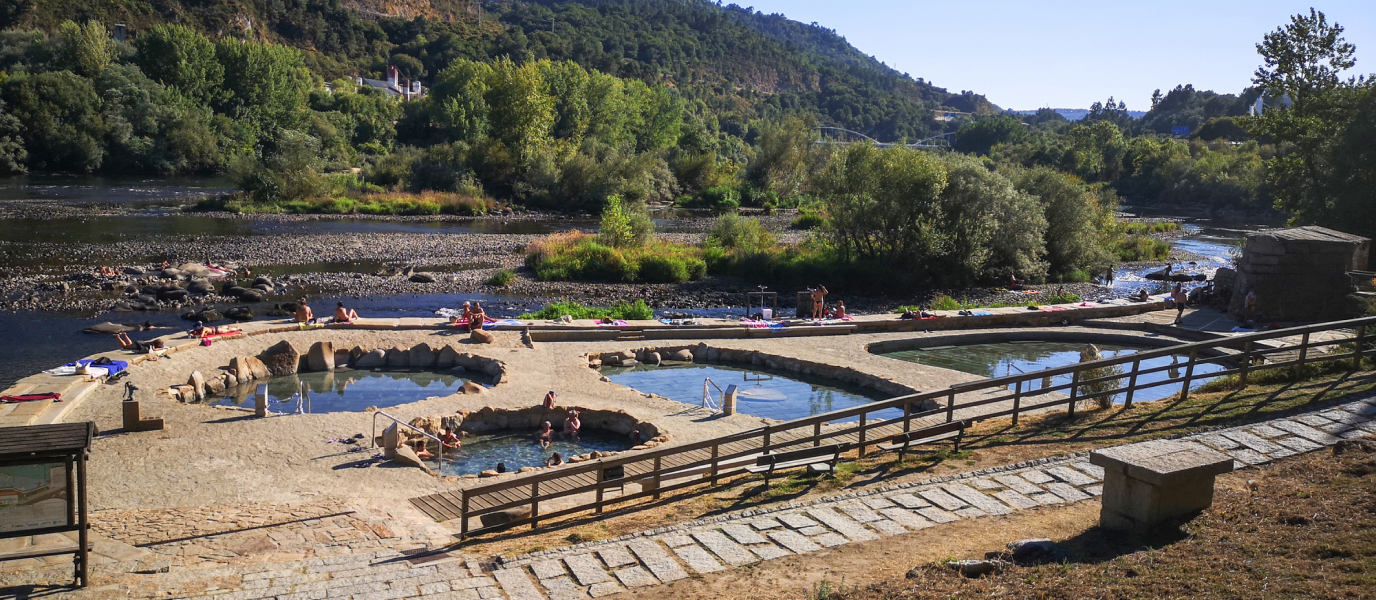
(282, 359)
(320, 357)
(375, 359)
(197, 383)
(421, 357)
(398, 357)
(1149, 484)
(341, 357)
(482, 337)
(391, 439)
(447, 358)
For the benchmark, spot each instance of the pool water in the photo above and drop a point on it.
(760, 394)
(346, 391)
(517, 448)
(1014, 358)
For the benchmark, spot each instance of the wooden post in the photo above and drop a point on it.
(951, 407)
(1189, 373)
(1017, 400)
(463, 513)
(816, 434)
(862, 434)
(907, 416)
(534, 504)
(715, 450)
(657, 477)
(1357, 354)
(1304, 348)
(83, 534)
(600, 473)
(1074, 387)
(1246, 363)
(765, 448)
(1132, 383)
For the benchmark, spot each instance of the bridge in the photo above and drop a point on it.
(847, 137)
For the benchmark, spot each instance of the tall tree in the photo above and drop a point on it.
(177, 56)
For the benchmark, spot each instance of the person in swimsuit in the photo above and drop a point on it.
(572, 425)
(840, 310)
(344, 315)
(303, 313)
(449, 441)
(128, 344)
(546, 435)
(554, 460)
(203, 330)
(549, 400)
(422, 452)
(819, 301)
(1178, 296)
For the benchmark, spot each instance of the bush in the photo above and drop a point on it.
(578, 256)
(663, 269)
(734, 232)
(1139, 247)
(501, 278)
(808, 218)
(637, 311)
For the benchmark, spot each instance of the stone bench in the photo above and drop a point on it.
(1158, 482)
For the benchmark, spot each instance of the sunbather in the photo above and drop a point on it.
(129, 344)
(203, 330)
(303, 313)
(344, 315)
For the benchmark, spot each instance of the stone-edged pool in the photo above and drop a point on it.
(761, 393)
(517, 448)
(347, 390)
(1001, 359)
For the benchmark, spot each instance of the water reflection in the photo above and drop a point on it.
(1014, 358)
(760, 393)
(347, 391)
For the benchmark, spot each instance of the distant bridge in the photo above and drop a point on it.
(936, 141)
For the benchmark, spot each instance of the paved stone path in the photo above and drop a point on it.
(604, 568)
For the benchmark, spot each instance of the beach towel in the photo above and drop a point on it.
(301, 326)
(1052, 308)
(103, 370)
(54, 396)
(502, 323)
(981, 313)
(227, 334)
(616, 323)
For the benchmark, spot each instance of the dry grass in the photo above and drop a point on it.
(1301, 528)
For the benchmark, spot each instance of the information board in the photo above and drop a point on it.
(33, 496)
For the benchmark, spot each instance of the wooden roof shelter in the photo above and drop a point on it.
(43, 471)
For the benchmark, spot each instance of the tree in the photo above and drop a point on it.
(265, 85)
(521, 108)
(178, 56)
(1303, 59)
(60, 113)
(884, 204)
(13, 156)
(781, 164)
(86, 49)
(1075, 221)
(981, 135)
(458, 101)
(992, 227)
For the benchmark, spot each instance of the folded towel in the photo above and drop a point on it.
(32, 397)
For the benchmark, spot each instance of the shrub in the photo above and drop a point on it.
(637, 311)
(663, 269)
(734, 232)
(1139, 247)
(501, 278)
(808, 218)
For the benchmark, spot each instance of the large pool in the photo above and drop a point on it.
(517, 448)
(761, 393)
(1013, 358)
(345, 391)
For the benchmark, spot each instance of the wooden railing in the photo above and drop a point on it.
(588, 486)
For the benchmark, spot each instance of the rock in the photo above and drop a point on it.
(526, 470)
(653, 358)
(629, 362)
(398, 357)
(447, 358)
(375, 359)
(205, 315)
(321, 356)
(341, 357)
(422, 278)
(611, 360)
(489, 473)
(471, 388)
(253, 296)
(482, 337)
(421, 357)
(263, 280)
(135, 271)
(200, 286)
(256, 367)
(197, 383)
(232, 290)
(509, 515)
(682, 356)
(281, 359)
(700, 351)
(174, 295)
(975, 568)
(214, 385)
(109, 328)
(239, 313)
(1035, 550)
(404, 455)
(239, 369)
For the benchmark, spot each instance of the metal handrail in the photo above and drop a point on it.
(408, 426)
(708, 396)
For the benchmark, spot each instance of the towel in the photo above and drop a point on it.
(54, 396)
(981, 313)
(502, 323)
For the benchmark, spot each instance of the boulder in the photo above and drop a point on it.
(256, 368)
(489, 473)
(341, 357)
(975, 568)
(526, 470)
(197, 383)
(253, 296)
(174, 294)
(372, 360)
(1035, 550)
(239, 313)
(482, 337)
(611, 360)
(404, 455)
(422, 278)
(320, 357)
(281, 359)
(200, 286)
(354, 354)
(471, 388)
(447, 358)
(629, 362)
(398, 357)
(263, 280)
(421, 357)
(214, 385)
(232, 290)
(653, 358)
(109, 328)
(682, 355)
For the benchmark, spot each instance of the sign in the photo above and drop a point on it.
(1178, 130)
(33, 497)
(614, 473)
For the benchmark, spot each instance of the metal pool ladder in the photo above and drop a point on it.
(373, 440)
(707, 401)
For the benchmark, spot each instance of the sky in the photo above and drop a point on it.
(1027, 55)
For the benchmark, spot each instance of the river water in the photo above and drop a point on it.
(151, 209)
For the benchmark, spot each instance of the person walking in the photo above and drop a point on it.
(1178, 296)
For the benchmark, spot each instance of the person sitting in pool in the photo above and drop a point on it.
(501, 467)
(422, 452)
(546, 435)
(303, 313)
(554, 460)
(572, 425)
(344, 315)
(635, 437)
(203, 330)
(449, 441)
(128, 344)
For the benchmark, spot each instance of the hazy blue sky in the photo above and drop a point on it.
(1026, 55)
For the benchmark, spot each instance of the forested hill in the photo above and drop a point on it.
(731, 63)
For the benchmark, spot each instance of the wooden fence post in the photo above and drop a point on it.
(657, 477)
(463, 513)
(534, 504)
(862, 434)
(1246, 363)
(816, 434)
(1132, 383)
(1189, 374)
(951, 407)
(765, 449)
(600, 473)
(1017, 400)
(716, 449)
(1304, 349)
(1074, 388)
(1357, 354)
(907, 417)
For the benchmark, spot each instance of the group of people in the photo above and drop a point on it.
(473, 316)
(572, 424)
(449, 442)
(304, 314)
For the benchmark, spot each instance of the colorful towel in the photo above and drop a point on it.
(504, 323)
(616, 323)
(981, 313)
(308, 326)
(54, 396)
(109, 368)
(1051, 308)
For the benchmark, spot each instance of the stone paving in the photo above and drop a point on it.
(604, 568)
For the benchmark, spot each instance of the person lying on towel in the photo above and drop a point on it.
(203, 330)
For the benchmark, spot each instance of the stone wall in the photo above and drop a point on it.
(283, 360)
(1300, 274)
